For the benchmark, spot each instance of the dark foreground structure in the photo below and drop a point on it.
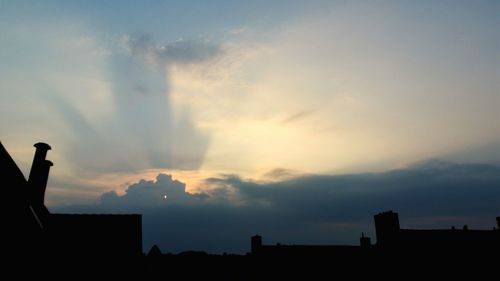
(30, 232)
(391, 239)
(397, 254)
(410, 252)
(35, 242)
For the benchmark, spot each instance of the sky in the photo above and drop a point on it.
(298, 119)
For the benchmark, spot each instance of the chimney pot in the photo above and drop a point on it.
(42, 145)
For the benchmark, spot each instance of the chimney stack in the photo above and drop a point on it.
(39, 174)
(256, 243)
(498, 222)
(365, 242)
(387, 228)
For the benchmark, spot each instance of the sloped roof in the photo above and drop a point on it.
(14, 185)
(15, 205)
(8, 166)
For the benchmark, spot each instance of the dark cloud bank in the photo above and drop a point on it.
(315, 209)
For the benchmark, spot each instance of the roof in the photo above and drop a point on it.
(14, 185)
(8, 168)
(20, 218)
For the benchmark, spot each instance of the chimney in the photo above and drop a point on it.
(498, 222)
(39, 174)
(365, 242)
(256, 243)
(387, 228)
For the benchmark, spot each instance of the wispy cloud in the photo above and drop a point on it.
(179, 51)
(297, 116)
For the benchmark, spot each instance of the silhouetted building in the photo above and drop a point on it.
(435, 241)
(90, 234)
(154, 251)
(22, 221)
(309, 251)
(30, 229)
(396, 242)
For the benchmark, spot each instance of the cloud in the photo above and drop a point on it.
(154, 193)
(427, 189)
(189, 51)
(143, 129)
(297, 116)
(280, 174)
(179, 51)
(103, 102)
(489, 153)
(312, 209)
(382, 95)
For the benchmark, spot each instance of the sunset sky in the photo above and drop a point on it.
(267, 94)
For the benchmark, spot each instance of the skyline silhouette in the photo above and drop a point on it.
(169, 133)
(34, 230)
(172, 217)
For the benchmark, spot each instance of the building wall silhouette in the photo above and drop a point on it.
(392, 240)
(31, 230)
(438, 241)
(90, 234)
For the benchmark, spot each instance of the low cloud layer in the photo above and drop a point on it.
(315, 209)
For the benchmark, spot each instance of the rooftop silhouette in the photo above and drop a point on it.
(35, 236)
(392, 239)
(31, 230)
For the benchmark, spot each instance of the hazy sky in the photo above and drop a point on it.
(261, 90)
